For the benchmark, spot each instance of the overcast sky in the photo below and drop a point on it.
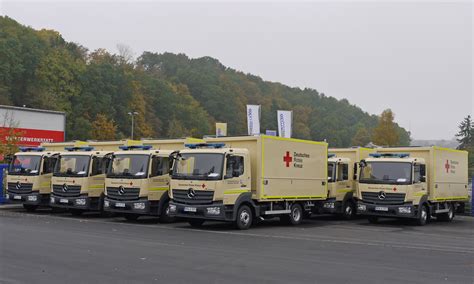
(415, 58)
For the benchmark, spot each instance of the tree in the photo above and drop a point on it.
(386, 134)
(465, 136)
(12, 135)
(361, 138)
(103, 128)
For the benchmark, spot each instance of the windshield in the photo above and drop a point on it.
(331, 172)
(72, 166)
(25, 165)
(386, 173)
(129, 166)
(199, 166)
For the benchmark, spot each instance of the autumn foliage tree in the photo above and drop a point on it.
(103, 128)
(386, 134)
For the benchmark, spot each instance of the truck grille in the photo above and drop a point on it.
(66, 191)
(123, 193)
(200, 196)
(20, 188)
(390, 198)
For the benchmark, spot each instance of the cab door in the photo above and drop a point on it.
(46, 173)
(343, 185)
(419, 180)
(236, 177)
(98, 167)
(159, 179)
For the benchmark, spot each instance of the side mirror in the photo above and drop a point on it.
(362, 163)
(423, 179)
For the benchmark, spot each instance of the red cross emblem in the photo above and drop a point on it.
(446, 166)
(287, 159)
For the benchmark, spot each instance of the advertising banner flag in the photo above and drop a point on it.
(253, 119)
(285, 118)
(221, 129)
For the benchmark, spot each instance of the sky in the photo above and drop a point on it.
(415, 58)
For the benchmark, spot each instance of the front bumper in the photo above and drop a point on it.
(32, 198)
(214, 211)
(79, 202)
(141, 206)
(406, 210)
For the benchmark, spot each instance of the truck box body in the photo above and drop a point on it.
(283, 168)
(446, 168)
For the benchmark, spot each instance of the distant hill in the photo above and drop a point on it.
(174, 95)
(441, 143)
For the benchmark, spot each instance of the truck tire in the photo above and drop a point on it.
(349, 210)
(423, 216)
(244, 218)
(165, 213)
(447, 217)
(131, 217)
(295, 217)
(373, 219)
(196, 223)
(30, 208)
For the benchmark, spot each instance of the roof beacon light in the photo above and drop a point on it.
(79, 148)
(205, 145)
(32, 149)
(135, 147)
(331, 155)
(389, 155)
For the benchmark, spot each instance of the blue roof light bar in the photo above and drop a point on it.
(136, 147)
(32, 149)
(82, 148)
(389, 155)
(205, 145)
(331, 155)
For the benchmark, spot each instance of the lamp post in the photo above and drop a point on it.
(132, 114)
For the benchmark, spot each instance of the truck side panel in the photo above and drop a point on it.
(450, 174)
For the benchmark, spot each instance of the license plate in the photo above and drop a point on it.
(378, 208)
(62, 200)
(18, 197)
(189, 209)
(120, 204)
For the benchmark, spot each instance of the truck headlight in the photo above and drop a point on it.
(51, 200)
(329, 205)
(406, 210)
(139, 205)
(106, 203)
(213, 210)
(7, 196)
(361, 207)
(172, 208)
(32, 198)
(81, 201)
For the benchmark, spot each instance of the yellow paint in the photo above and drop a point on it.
(236, 191)
(194, 140)
(43, 184)
(344, 190)
(451, 198)
(294, 140)
(159, 188)
(421, 193)
(294, 197)
(98, 186)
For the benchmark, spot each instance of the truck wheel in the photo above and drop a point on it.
(244, 218)
(30, 208)
(373, 219)
(131, 217)
(76, 212)
(295, 217)
(448, 216)
(196, 223)
(165, 213)
(422, 216)
(349, 210)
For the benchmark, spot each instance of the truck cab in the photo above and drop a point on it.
(341, 186)
(137, 182)
(29, 177)
(392, 184)
(78, 179)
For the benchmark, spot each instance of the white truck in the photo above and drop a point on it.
(413, 182)
(242, 179)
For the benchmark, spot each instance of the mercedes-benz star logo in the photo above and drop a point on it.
(121, 190)
(191, 193)
(18, 185)
(65, 187)
(382, 195)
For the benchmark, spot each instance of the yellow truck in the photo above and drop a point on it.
(343, 169)
(79, 178)
(137, 181)
(413, 182)
(29, 177)
(243, 179)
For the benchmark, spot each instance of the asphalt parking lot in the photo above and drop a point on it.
(46, 247)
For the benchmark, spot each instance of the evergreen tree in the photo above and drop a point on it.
(465, 136)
